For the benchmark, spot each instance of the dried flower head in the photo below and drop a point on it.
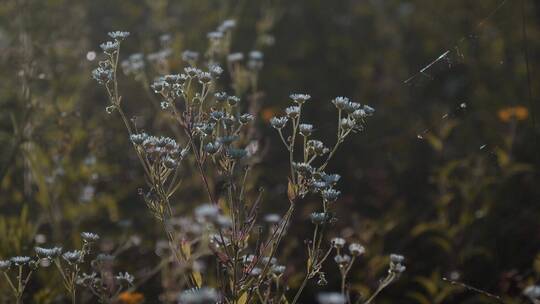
(109, 47)
(300, 98)
(20, 260)
(306, 129)
(89, 237)
(278, 122)
(73, 257)
(49, 253)
(292, 111)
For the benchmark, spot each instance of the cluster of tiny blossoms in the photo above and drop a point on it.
(18, 270)
(213, 122)
(308, 174)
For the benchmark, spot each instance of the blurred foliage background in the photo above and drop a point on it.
(446, 172)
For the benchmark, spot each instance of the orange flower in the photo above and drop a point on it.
(511, 113)
(268, 113)
(127, 297)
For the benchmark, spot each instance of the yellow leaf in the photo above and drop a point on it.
(243, 298)
(186, 249)
(198, 278)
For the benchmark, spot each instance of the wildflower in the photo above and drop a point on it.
(202, 295)
(233, 100)
(300, 98)
(192, 72)
(396, 265)
(255, 60)
(278, 269)
(532, 292)
(215, 36)
(272, 218)
(342, 259)
(89, 237)
(126, 277)
(134, 64)
(20, 260)
(255, 272)
(278, 122)
(207, 212)
(49, 253)
(330, 195)
(118, 35)
(350, 107)
(248, 259)
(369, 110)
(306, 129)
(272, 260)
(331, 179)
(317, 147)
(359, 114)
(340, 102)
(338, 242)
(320, 218)
(220, 96)
(356, 249)
(205, 128)
(73, 256)
(158, 86)
(188, 55)
(212, 148)
(227, 25)
(170, 163)
(4, 264)
(331, 298)
(236, 153)
(129, 297)
(205, 77)
(109, 47)
(245, 118)
(322, 279)
(227, 140)
(165, 105)
(235, 57)
(215, 69)
(396, 258)
(513, 113)
(256, 55)
(102, 75)
(303, 168)
(292, 111)
(318, 185)
(347, 124)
